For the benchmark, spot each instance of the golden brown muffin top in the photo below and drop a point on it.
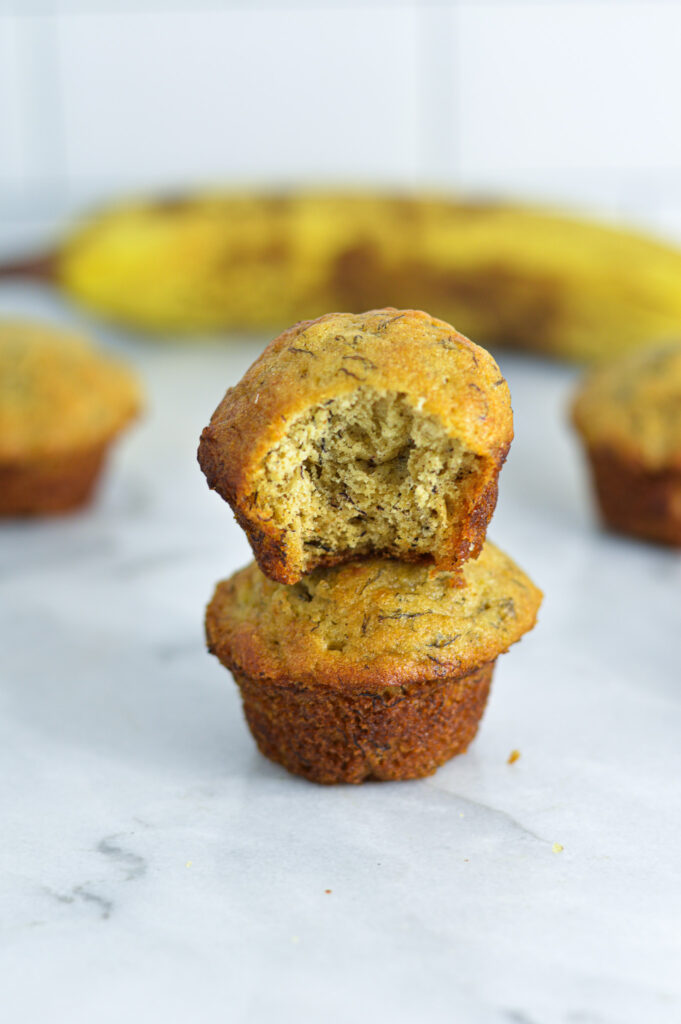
(407, 351)
(58, 393)
(371, 622)
(634, 407)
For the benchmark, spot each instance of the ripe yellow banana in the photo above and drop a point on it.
(502, 274)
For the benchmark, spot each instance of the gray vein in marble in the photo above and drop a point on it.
(105, 906)
(80, 893)
(181, 649)
(518, 1017)
(134, 865)
(494, 812)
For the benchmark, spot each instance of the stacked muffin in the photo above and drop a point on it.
(360, 453)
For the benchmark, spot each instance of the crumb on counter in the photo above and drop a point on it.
(513, 756)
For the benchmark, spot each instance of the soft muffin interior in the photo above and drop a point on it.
(365, 471)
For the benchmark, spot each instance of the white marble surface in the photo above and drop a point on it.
(155, 867)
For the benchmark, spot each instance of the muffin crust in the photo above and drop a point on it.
(372, 669)
(633, 407)
(50, 485)
(62, 403)
(371, 623)
(401, 732)
(58, 394)
(629, 417)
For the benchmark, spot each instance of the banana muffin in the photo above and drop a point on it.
(352, 435)
(62, 403)
(628, 414)
(372, 669)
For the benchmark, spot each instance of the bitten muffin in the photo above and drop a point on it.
(378, 433)
(629, 417)
(62, 403)
(373, 669)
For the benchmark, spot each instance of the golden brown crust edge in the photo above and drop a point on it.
(636, 500)
(248, 418)
(401, 732)
(248, 421)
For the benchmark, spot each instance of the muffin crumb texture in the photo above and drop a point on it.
(365, 472)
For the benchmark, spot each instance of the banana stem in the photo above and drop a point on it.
(36, 268)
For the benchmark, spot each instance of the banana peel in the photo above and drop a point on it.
(503, 274)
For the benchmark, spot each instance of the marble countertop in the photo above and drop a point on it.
(155, 867)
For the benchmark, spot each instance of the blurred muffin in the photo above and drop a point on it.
(62, 403)
(373, 669)
(377, 433)
(628, 414)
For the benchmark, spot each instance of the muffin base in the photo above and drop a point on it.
(52, 485)
(398, 732)
(636, 500)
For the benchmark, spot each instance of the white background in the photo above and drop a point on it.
(572, 102)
